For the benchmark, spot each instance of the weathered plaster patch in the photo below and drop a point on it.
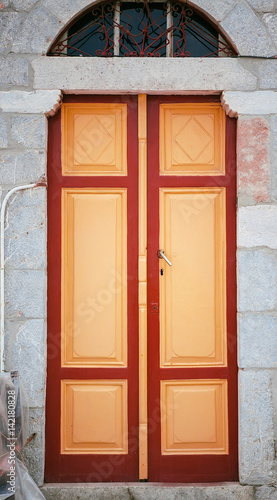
(253, 158)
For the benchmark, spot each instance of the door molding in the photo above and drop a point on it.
(142, 183)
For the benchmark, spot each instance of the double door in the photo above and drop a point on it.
(141, 378)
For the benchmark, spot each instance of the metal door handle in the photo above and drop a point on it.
(161, 255)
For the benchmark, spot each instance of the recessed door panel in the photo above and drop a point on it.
(94, 417)
(94, 140)
(94, 277)
(192, 139)
(194, 416)
(192, 291)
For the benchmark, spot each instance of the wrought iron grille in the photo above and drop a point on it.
(142, 29)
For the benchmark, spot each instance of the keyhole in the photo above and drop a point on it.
(162, 272)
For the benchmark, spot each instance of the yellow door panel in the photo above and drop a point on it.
(193, 290)
(94, 140)
(194, 417)
(94, 277)
(192, 139)
(94, 417)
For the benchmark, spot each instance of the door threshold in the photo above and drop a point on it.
(147, 491)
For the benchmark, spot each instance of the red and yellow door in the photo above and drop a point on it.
(141, 380)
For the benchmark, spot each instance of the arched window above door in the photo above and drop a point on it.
(146, 28)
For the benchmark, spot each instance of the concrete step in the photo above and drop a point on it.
(156, 491)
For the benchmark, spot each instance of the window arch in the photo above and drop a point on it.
(136, 28)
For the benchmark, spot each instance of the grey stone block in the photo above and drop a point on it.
(9, 24)
(247, 32)
(256, 428)
(11, 328)
(36, 32)
(25, 234)
(13, 71)
(268, 74)
(262, 5)
(257, 279)
(22, 168)
(3, 132)
(151, 491)
(190, 492)
(27, 198)
(24, 5)
(261, 102)
(257, 341)
(25, 352)
(86, 492)
(270, 21)
(28, 357)
(266, 493)
(33, 453)
(69, 8)
(25, 294)
(257, 226)
(65, 10)
(29, 130)
(40, 101)
(219, 9)
(27, 250)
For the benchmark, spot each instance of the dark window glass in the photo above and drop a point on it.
(143, 29)
(192, 35)
(93, 34)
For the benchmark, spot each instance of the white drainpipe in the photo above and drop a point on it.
(2, 264)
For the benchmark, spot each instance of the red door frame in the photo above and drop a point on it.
(83, 468)
(189, 468)
(90, 468)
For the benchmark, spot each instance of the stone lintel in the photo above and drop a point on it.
(141, 75)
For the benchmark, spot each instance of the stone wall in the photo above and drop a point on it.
(30, 91)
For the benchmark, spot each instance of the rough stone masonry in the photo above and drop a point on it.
(31, 86)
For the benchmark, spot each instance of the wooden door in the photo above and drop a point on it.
(191, 304)
(128, 397)
(92, 376)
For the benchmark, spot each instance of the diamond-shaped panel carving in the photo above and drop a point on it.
(192, 139)
(94, 139)
(191, 143)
